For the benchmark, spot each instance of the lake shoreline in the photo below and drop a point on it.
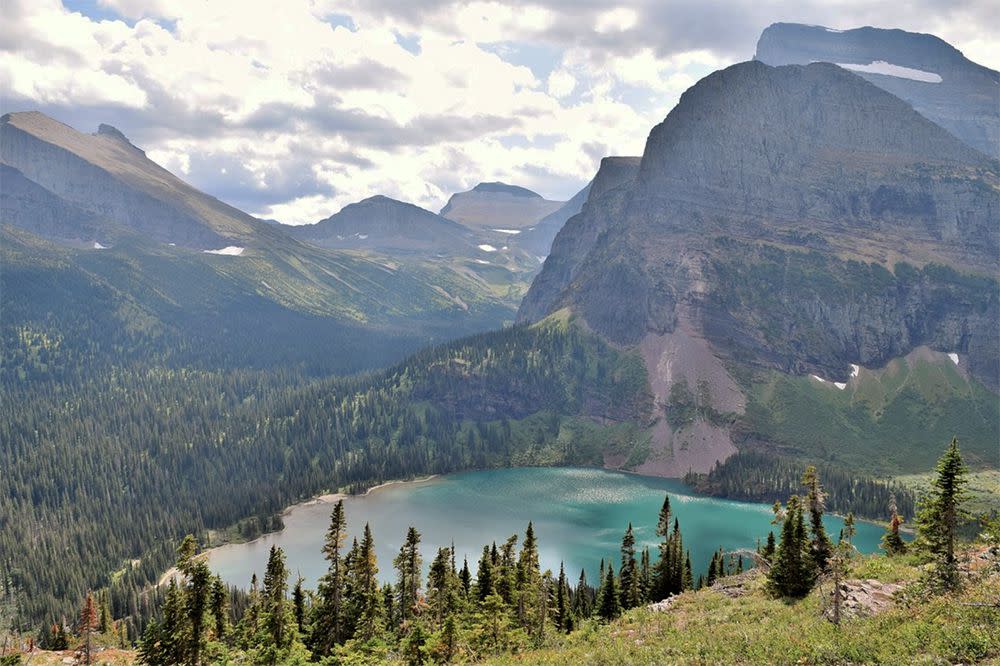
(326, 498)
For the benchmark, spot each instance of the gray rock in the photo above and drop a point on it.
(965, 101)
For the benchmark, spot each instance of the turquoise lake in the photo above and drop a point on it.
(579, 516)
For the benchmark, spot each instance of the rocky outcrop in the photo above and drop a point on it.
(381, 223)
(863, 598)
(606, 201)
(27, 205)
(933, 76)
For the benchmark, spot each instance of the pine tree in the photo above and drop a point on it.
(370, 620)
(465, 577)
(645, 576)
(197, 591)
(793, 571)
(713, 570)
(278, 616)
(688, 574)
(217, 607)
(441, 584)
(408, 567)
(328, 612)
(583, 600)
(88, 623)
(299, 605)
(768, 552)
(531, 596)
(820, 545)
(610, 607)
(940, 514)
(662, 575)
(563, 618)
(628, 574)
(892, 542)
(485, 583)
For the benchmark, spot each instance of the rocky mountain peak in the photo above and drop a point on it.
(925, 71)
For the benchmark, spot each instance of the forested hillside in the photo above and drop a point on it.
(114, 464)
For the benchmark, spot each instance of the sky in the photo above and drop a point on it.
(291, 110)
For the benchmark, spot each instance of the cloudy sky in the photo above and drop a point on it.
(291, 109)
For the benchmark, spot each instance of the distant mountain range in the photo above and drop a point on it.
(929, 73)
(363, 287)
(498, 206)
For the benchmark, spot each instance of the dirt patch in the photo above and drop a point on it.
(863, 598)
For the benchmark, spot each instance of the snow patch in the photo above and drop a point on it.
(504, 248)
(512, 232)
(98, 246)
(854, 370)
(840, 385)
(172, 244)
(482, 261)
(485, 247)
(229, 250)
(954, 358)
(888, 69)
(362, 236)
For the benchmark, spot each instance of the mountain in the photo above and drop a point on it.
(109, 252)
(933, 76)
(496, 206)
(538, 239)
(788, 221)
(106, 175)
(385, 224)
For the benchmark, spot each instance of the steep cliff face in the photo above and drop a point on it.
(605, 202)
(498, 206)
(794, 219)
(933, 76)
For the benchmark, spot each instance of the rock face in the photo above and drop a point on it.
(933, 76)
(793, 218)
(538, 239)
(498, 206)
(385, 224)
(27, 205)
(112, 180)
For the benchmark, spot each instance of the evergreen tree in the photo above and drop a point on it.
(408, 569)
(218, 607)
(485, 583)
(662, 575)
(563, 618)
(299, 605)
(629, 574)
(370, 620)
(688, 574)
(713, 570)
(441, 584)
(645, 576)
(610, 607)
(530, 608)
(328, 612)
(88, 623)
(277, 614)
(820, 545)
(583, 598)
(892, 542)
(793, 571)
(197, 591)
(768, 552)
(465, 577)
(940, 513)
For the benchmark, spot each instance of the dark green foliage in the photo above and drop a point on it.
(764, 477)
(154, 452)
(609, 607)
(793, 570)
(819, 545)
(631, 591)
(940, 514)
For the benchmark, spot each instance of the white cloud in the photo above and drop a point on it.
(292, 115)
(618, 19)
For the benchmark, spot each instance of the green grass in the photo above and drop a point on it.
(707, 627)
(983, 488)
(886, 422)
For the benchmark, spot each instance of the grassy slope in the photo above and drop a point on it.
(886, 422)
(707, 627)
